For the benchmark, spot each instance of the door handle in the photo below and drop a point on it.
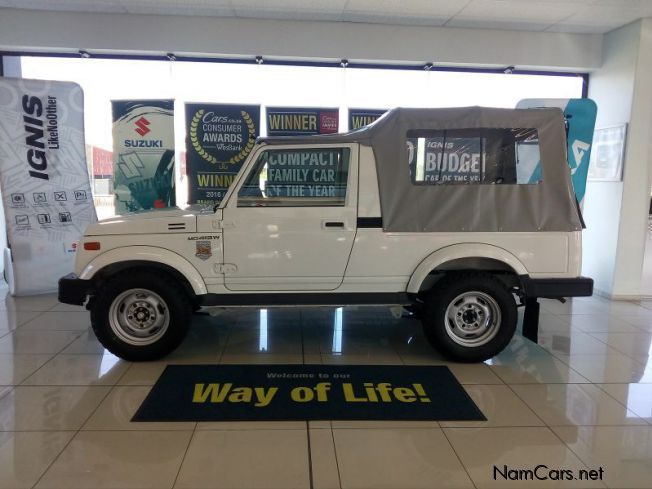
(334, 224)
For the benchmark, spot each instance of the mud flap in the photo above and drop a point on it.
(531, 319)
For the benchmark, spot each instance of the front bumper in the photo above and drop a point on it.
(555, 288)
(73, 290)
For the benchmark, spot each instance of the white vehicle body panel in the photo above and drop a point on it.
(290, 248)
(368, 194)
(153, 222)
(124, 252)
(263, 250)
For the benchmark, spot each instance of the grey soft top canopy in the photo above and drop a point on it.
(549, 205)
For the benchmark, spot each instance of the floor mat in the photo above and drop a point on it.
(307, 392)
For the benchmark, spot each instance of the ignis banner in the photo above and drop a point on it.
(447, 159)
(44, 179)
(363, 117)
(293, 121)
(143, 154)
(218, 140)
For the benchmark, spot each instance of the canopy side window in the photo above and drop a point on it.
(481, 156)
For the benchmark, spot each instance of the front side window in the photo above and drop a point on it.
(474, 156)
(297, 178)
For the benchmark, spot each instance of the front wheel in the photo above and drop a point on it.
(469, 317)
(140, 316)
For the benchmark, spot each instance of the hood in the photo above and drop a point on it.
(160, 221)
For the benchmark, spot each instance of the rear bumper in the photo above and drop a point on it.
(73, 290)
(555, 288)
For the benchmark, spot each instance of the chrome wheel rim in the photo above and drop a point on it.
(139, 317)
(472, 319)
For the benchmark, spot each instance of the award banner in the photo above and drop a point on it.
(293, 121)
(143, 154)
(363, 117)
(44, 180)
(219, 139)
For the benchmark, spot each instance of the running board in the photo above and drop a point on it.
(306, 299)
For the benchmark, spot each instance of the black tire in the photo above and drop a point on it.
(174, 304)
(453, 341)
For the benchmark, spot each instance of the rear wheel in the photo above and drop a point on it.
(140, 316)
(469, 317)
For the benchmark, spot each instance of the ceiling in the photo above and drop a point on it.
(580, 16)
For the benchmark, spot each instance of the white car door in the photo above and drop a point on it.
(291, 221)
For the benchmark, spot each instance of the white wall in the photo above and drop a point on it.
(67, 31)
(612, 88)
(616, 212)
(636, 192)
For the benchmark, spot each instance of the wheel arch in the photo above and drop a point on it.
(468, 256)
(146, 257)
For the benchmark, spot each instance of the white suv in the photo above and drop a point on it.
(454, 213)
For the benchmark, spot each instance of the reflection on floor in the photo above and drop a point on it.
(580, 399)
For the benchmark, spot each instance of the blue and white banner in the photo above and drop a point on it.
(44, 179)
(580, 114)
(143, 154)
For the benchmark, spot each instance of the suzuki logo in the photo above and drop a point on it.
(141, 126)
(579, 148)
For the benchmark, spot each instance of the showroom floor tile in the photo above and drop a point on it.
(642, 323)
(392, 458)
(16, 368)
(274, 459)
(624, 452)
(483, 450)
(36, 342)
(118, 459)
(65, 369)
(533, 370)
(116, 410)
(600, 323)
(636, 397)
(612, 368)
(55, 321)
(575, 404)
(25, 456)
(581, 399)
(11, 319)
(500, 405)
(29, 408)
(323, 459)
